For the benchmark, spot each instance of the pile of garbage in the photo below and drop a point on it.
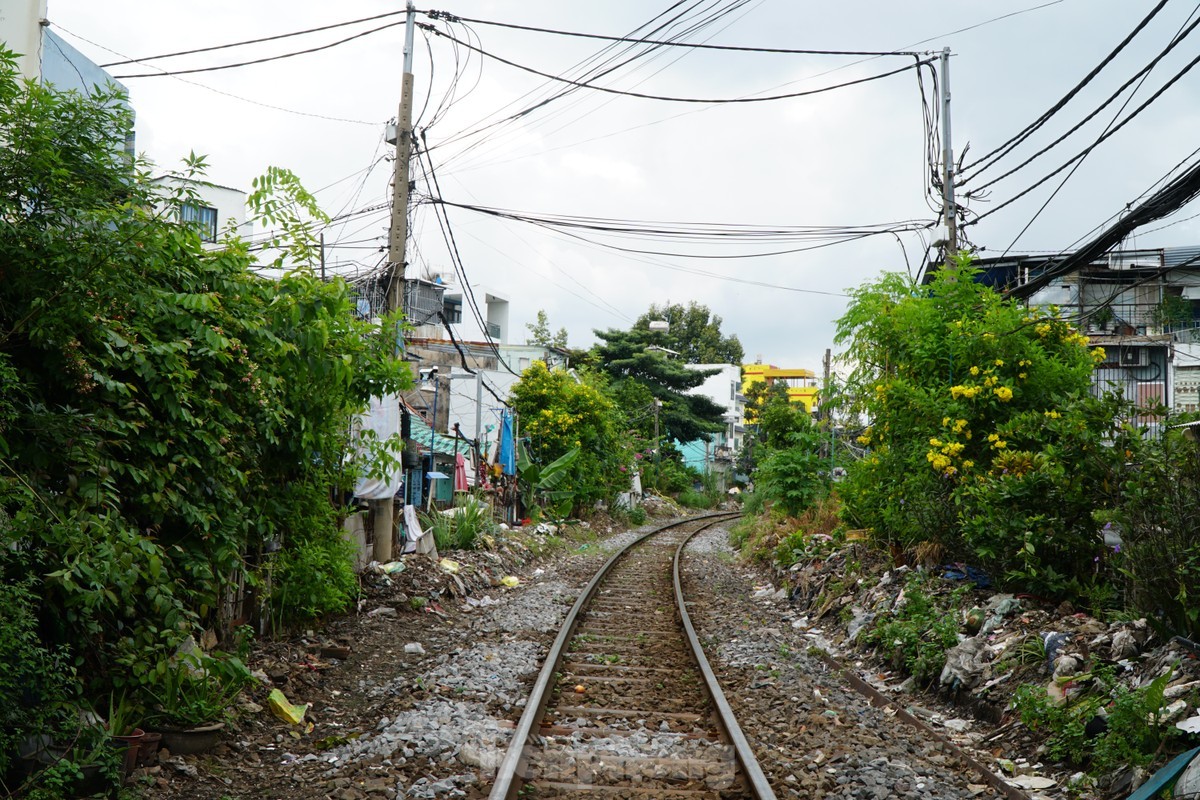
(1005, 641)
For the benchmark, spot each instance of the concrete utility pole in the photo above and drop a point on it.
(382, 510)
(950, 209)
(399, 231)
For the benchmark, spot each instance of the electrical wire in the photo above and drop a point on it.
(444, 15)
(1140, 74)
(456, 260)
(166, 73)
(674, 99)
(1045, 116)
(244, 42)
(1100, 140)
(230, 95)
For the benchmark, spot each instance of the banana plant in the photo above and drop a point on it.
(546, 486)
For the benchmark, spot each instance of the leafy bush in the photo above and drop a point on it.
(1159, 556)
(791, 476)
(1134, 734)
(983, 438)
(34, 680)
(917, 635)
(469, 526)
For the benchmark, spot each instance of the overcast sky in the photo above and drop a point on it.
(850, 157)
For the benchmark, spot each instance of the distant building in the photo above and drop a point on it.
(214, 209)
(46, 57)
(1142, 306)
(801, 383)
(718, 453)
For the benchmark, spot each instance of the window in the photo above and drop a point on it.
(204, 217)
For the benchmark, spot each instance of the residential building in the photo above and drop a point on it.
(1139, 305)
(801, 384)
(213, 208)
(45, 56)
(718, 453)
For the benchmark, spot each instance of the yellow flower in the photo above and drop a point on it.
(1098, 355)
(864, 439)
(974, 370)
(1000, 444)
(1004, 393)
(1042, 329)
(1021, 375)
(935, 443)
(945, 421)
(993, 437)
(968, 464)
(959, 425)
(991, 380)
(999, 362)
(950, 470)
(1053, 414)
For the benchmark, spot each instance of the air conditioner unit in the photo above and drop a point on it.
(1134, 356)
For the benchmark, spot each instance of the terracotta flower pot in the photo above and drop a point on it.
(130, 744)
(148, 748)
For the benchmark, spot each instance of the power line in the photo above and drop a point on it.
(1032, 127)
(1142, 73)
(672, 99)
(259, 60)
(229, 94)
(248, 41)
(445, 15)
(1084, 153)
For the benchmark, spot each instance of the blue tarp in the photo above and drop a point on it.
(508, 449)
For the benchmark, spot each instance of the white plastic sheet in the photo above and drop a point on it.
(382, 417)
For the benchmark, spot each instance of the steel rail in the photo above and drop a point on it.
(759, 784)
(505, 785)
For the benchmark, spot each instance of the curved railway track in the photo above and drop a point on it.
(625, 704)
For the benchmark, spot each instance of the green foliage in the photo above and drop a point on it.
(695, 333)
(1160, 558)
(548, 484)
(35, 680)
(559, 413)
(1135, 733)
(794, 477)
(918, 635)
(168, 417)
(199, 689)
(984, 438)
(630, 356)
(539, 333)
(468, 527)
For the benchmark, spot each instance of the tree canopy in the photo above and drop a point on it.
(539, 332)
(636, 355)
(695, 334)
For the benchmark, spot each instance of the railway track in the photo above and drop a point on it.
(625, 704)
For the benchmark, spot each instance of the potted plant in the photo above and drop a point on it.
(193, 698)
(123, 716)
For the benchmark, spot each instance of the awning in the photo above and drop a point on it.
(1191, 293)
(437, 476)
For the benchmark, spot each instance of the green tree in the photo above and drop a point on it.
(560, 412)
(983, 436)
(695, 334)
(631, 356)
(168, 418)
(540, 333)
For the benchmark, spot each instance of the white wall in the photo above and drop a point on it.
(21, 31)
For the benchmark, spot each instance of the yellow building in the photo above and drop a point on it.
(801, 383)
